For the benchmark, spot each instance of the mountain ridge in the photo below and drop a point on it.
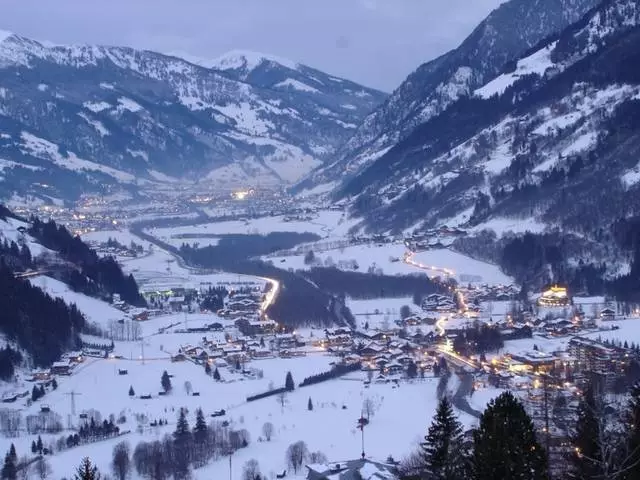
(509, 30)
(138, 111)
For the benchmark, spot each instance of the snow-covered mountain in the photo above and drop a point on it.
(86, 118)
(551, 143)
(508, 31)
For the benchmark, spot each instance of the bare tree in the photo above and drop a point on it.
(23, 468)
(282, 399)
(251, 470)
(121, 461)
(318, 457)
(368, 407)
(296, 455)
(187, 387)
(42, 468)
(267, 431)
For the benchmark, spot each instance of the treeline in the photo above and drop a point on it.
(268, 393)
(480, 340)
(17, 257)
(44, 327)
(187, 448)
(366, 285)
(96, 276)
(335, 372)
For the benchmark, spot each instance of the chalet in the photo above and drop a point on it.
(40, 375)
(607, 314)
(61, 368)
(394, 368)
(75, 357)
(175, 303)
(261, 353)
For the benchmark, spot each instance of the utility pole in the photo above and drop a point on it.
(73, 395)
(142, 349)
(361, 423)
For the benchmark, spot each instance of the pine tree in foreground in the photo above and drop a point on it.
(86, 471)
(9, 469)
(182, 441)
(442, 451)
(631, 465)
(505, 445)
(586, 459)
(309, 404)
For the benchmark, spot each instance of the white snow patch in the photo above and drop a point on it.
(246, 118)
(139, 153)
(580, 144)
(128, 104)
(514, 225)
(43, 87)
(106, 86)
(4, 35)
(162, 177)
(348, 106)
(296, 85)
(499, 159)
(100, 128)
(462, 265)
(537, 63)
(96, 106)
(42, 148)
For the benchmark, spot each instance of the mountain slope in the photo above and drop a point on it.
(94, 118)
(551, 144)
(507, 32)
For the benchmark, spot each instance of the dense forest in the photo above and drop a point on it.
(94, 276)
(44, 327)
(366, 285)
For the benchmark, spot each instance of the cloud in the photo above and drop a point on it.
(375, 42)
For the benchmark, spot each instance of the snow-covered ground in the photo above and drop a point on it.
(95, 311)
(336, 403)
(466, 269)
(386, 259)
(327, 224)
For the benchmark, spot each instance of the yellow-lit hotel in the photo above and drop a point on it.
(556, 296)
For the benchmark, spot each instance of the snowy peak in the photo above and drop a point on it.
(247, 61)
(4, 35)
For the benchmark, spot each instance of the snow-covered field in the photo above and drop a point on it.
(327, 224)
(386, 259)
(336, 403)
(466, 269)
(95, 311)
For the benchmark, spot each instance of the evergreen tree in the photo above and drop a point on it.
(288, 382)
(182, 442)
(216, 375)
(131, 391)
(309, 404)
(207, 368)
(166, 382)
(34, 447)
(200, 428)
(9, 469)
(631, 464)
(586, 459)
(412, 370)
(505, 445)
(238, 367)
(13, 454)
(442, 451)
(39, 444)
(86, 471)
(54, 384)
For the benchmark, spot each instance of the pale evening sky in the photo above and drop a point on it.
(375, 42)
